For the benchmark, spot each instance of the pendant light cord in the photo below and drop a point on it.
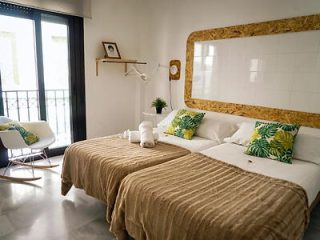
(170, 95)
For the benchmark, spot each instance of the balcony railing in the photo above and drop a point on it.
(23, 105)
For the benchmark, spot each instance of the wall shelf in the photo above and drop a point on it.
(110, 60)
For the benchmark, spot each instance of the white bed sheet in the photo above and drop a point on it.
(305, 174)
(197, 144)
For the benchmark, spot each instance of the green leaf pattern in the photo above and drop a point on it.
(273, 140)
(185, 124)
(28, 137)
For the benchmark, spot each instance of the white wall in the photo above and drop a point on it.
(168, 23)
(156, 31)
(111, 97)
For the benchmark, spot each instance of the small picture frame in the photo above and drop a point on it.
(111, 50)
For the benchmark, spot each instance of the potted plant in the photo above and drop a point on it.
(159, 104)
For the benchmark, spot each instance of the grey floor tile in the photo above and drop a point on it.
(6, 226)
(38, 211)
(95, 230)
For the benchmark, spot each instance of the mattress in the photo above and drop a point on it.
(197, 144)
(305, 174)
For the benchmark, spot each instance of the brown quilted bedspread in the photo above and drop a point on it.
(197, 197)
(99, 165)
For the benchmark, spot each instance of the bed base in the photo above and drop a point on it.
(315, 203)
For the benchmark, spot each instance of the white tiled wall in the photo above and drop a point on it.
(281, 71)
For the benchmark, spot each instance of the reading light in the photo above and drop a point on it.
(174, 74)
(174, 69)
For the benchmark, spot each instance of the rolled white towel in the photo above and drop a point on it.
(145, 124)
(125, 134)
(156, 137)
(147, 140)
(134, 136)
(146, 135)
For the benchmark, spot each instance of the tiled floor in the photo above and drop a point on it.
(37, 211)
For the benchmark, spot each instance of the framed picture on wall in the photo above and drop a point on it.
(111, 50)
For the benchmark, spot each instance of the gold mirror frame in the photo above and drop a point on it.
(296, 24)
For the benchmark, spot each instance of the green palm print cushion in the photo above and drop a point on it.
(28, 137)
(185, 124)
(273, 140)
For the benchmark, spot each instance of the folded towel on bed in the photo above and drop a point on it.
(125, 134)
(156, 137)
(146, 134)
(145, 124)
(134, 136)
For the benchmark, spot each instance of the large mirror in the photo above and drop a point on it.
(258, 70)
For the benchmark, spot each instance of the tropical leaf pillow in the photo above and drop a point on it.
(4, 126)
(273, 140)
(185, 124)
(28, 137)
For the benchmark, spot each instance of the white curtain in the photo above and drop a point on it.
(80, 8)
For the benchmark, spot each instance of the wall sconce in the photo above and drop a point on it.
(174, 70)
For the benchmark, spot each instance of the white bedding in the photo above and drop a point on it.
(197, 144)
(305, 174)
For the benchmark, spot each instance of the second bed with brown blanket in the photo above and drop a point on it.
(99, 165)
(197, 197)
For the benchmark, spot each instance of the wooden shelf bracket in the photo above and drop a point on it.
(110, 60)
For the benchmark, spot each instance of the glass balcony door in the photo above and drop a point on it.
(55, 49)
(34, 65)
(18, 68)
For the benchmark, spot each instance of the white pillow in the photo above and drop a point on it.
(168, 119)
(307, 145)
(215, 129)
(243, 135)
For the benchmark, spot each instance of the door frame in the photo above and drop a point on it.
(76, 69)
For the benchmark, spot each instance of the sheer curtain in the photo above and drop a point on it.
(81, 8)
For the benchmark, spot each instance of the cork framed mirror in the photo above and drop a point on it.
(268, 70)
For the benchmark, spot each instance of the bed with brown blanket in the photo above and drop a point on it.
(197, 197)
(99, 165)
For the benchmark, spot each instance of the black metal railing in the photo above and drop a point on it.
(23, 105)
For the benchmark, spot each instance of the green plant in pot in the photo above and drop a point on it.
(159, 104)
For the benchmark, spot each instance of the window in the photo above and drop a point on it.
(42, 72)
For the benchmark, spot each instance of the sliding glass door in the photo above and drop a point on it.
(39, 79)
(18, 71)
(18, 68)
(55, 49)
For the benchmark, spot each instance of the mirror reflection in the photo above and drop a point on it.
(279, 71)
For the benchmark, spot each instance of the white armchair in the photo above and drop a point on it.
(12, 139)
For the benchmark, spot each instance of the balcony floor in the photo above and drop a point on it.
(38, 211)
